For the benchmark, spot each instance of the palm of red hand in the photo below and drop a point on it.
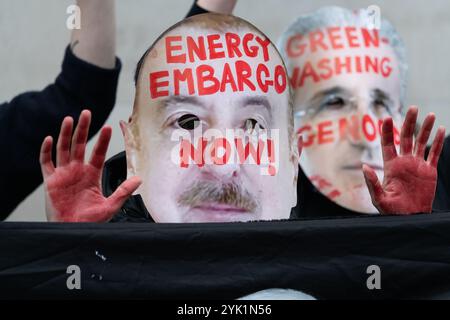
(410, 181)
(409, 185)
(75, 192)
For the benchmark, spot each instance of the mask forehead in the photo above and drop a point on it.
(195, 61)
(352, 57)
(216, 69)
(222, 77)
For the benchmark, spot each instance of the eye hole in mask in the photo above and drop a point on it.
(188, 121)
(252, 124)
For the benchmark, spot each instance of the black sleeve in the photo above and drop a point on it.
(196, 9)
(28, 118)
(442, 198)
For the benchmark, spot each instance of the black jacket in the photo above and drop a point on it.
(29, 117)
(442, 199)
(114, 173)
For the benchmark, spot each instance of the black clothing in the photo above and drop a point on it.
(114, 173)
(29, 117)
(442, 198)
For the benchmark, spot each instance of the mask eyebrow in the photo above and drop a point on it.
(380, 94)
(315, 103)
(317, 98)
(172, 101)
(257, 101)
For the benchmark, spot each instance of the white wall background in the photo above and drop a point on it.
(33, 37)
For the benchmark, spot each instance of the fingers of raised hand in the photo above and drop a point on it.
(407, 132)
(45, 157)
(80, 136)
(436, 147)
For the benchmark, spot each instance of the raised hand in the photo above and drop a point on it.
(72, 189)
(409, 183)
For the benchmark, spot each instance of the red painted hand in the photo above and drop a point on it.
(72, 189)
(409, 183)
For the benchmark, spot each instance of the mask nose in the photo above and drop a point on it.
(367, 138)
(222, 172)
(220, 162)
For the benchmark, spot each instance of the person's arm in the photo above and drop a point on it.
(28, 118)
(95, 41)
(217, 6)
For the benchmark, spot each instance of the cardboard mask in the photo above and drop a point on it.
(211, 134)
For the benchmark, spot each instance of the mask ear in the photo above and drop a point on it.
(130, 148)
(296, 150)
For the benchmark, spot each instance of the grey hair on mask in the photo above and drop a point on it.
(337, 16)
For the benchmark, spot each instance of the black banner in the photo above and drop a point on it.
(403, 257)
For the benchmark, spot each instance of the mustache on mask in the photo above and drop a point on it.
(232, 194)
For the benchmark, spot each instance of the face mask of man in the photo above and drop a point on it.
(346, 79)
(211, 134)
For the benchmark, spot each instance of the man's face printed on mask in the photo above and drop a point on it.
(211, 75)
(346, 80)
